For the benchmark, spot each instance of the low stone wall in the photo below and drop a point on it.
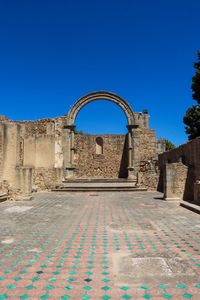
(175, 180)
(47, 178)
(180, 171)
(148, 174)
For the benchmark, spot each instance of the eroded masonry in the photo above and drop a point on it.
(39, 155)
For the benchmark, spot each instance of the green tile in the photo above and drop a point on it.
(181, 286)
(65, 297)
(167, 296)
(105, 280)
(88, 279)
(53, 279)
(49, 287)
(3, 296)
(68, 287)
(105, 273)
(23, 297)
(30, 287)
(35, 279)
(85, 297)
(44, 297)
(11, 287)
(87, 288)
(17, 278)
(126, 296)
(7, 271)
(105, 297)
(88, 273)
(23, 272)
(105, 288)
(187, 296)
(162, 287)
(124, 288)
(70, 279)
(147, 296)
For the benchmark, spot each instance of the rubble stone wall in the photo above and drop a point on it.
(39, 154)
(45, 178)
(189, 155)
(112, 163)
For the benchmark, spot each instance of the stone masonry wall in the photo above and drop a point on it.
(148, 168)
(43, 149)
(189, 155)
(175, 180)
(111, 164)
(46, 178)
(30, 145)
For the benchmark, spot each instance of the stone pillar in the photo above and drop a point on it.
(24, 180)
(69, 155)
(131, 152)
(175, 176)
(197, 192)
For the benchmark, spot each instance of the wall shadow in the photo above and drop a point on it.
(123, 172)
(160, 187)
(189, 185)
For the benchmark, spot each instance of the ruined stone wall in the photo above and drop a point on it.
(147, 147)
(148, 172)
(27, 145)
(46, 178)
(175, 180)
(39, 152)
(43, 151)
(189, 155)
(112, 163)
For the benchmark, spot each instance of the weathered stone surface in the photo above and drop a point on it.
(180, 171)
(112, 163)
(39, 154)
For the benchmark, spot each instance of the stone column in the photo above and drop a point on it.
(197, 192)
(131, 150)
(69, 155)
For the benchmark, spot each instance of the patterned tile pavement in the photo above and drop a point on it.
(98, 246)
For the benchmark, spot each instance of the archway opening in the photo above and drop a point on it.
(101, 117)
(101, 141)
(116, 160)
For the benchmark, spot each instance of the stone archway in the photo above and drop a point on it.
(101, 95)
(70, 127)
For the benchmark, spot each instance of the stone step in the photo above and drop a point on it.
(104, 180)
(99, 187)
(3, 197)
(87, 189)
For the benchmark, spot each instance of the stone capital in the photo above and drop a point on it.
(70, 127)
(131, 127)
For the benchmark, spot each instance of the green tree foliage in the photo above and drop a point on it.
(169, 145)
(192, 116)
(192, 122)
(196, 81)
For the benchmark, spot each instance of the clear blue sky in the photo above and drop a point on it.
(53, 52)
